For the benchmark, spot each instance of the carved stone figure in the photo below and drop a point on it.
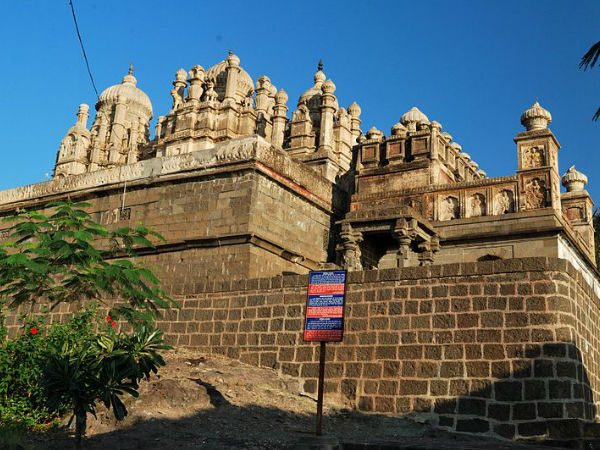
(450, 208)
(533, 157)
(535, 194)
(477, 205)
(505, 202)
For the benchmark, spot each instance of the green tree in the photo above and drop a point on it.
(589, 61)
(64, 256)
(67, 257)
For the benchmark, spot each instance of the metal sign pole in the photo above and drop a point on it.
(320, 391)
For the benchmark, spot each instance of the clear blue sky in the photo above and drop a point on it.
(474, 66)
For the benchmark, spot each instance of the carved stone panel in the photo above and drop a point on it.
(116, 215)
(449, 208)
(535, 193)
(504, 202)
(533, 157)
(369, 153)
(476, 205)
(574, 213)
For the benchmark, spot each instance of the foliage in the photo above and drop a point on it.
(58, 258)
(104, 372)
(588, 61)
(47, 371)
(64, 256)
(23, 399)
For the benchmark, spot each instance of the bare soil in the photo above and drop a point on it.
(208, 402)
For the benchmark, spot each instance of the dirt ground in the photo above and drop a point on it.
(207, 402)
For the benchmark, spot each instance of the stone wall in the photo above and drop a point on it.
(506, 348)
(238, 223)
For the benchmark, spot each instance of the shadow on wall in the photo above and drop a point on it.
(544, 394)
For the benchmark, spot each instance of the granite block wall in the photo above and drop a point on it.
(505, 348)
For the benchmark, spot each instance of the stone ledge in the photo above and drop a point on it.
(227, 156)
(501, 266)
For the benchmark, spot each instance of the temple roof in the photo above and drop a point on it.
(126, 92)
(218, 72)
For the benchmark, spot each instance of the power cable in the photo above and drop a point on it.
(87, 64)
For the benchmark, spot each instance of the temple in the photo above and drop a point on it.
(321, 193)
(473, 302)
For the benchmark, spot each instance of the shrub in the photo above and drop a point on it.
(23, 399)
(66, 257)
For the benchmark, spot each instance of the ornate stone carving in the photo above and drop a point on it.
(351, 256)
(574, 180)
(533, 157)
(235, 152)
(450, 208)
(477, 205)
(535, 194)
(504, 202)
(575, 213)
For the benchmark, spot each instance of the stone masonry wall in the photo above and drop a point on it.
(506, 348)
(219, 225)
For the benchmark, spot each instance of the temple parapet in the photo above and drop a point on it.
(420, 167)
(417, 152)
(417, 175)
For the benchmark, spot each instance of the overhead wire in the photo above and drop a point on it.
(87, 63)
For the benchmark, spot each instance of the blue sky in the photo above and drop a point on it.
(474, 66)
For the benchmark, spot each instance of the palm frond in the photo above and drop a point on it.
(590, 58)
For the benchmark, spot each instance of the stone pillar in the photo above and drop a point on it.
(160, 127)
(354, 111)
(178, 89)
(327, 112)
(578, 207)
(117, 132)
(404, 233)
(233, 63)
(351, 255)
(195, 89)
(279, 118)
(262, 105)
(102, 130)
(537, 153)
(72, 157)
(261, 102)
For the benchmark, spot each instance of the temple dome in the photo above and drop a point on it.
(574, 180)
(412, 118)
(218, 72)
(312, 96)
(536, 118)
(126, 92)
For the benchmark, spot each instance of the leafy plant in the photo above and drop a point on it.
(588, 61)
(67, 257)
(104, 372)
(64, 256)
(23, 399)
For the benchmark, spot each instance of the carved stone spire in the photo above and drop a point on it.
(536, 118)
(574, 180)
(72, 157)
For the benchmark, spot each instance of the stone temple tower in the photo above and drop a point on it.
(72, 155)
(121, 125)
